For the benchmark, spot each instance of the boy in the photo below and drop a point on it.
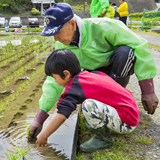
(105, 104)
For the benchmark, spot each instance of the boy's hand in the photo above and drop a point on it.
(41, 141)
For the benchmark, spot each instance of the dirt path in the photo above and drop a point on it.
(151, 152)
(144, 142)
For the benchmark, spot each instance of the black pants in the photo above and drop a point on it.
(123, 19)
(121, 66)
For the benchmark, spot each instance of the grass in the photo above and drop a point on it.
(18, 153)
(138, 30)
(12, 156)
(144, 140)
(156, 47)
(80, 7)
(124, 147)
(27, 129)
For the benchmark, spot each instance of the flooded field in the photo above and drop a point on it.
(22, 75)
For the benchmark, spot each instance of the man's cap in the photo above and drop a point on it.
(55, 17)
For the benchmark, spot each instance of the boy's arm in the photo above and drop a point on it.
(55, 123)
(51, 93)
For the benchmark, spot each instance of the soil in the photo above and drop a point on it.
(149, 125)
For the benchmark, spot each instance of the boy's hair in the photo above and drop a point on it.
(113, 4)
(109, 2)
(61, 60)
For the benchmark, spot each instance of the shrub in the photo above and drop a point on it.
(14, 7)
(34, 11)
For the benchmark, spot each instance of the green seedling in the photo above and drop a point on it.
(13, 96)
(5, 82)
(7, 101)
(2, 106)
(27, 129)
(17, 93)
(144, 140)
(12, 156)
(20, 89)
(22, 151)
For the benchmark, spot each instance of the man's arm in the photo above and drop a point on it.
(118, 34)
(55, 123)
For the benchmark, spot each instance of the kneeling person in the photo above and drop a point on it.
(105, 103)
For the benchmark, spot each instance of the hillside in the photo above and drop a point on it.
(23, 7)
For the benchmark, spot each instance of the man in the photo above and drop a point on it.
(101, 44)
(97, 7)
(123, 11)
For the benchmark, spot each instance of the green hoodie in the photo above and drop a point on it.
(97, 7)
(99, 37)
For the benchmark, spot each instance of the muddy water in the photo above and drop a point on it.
(20, 113)
(60, 143)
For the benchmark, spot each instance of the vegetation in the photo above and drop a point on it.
(80, 7)
(124, 147)
(18, 153)
(144, 140)
(12, 5)
(150, 18)
(34, 11)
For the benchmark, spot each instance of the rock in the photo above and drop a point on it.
(4, 134)
(141, 153)
(12, 124)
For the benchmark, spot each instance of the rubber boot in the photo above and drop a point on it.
(101, 140)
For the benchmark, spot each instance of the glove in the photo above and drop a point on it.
(148, 98)
(37, 123)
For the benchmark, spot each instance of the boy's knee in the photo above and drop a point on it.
(88, 105)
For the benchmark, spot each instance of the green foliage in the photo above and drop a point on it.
(14, 7)
(150, 14)
(12, 156)
(144, 140)
(34, 11)
(80, 7)
(68, 1)
(18, 153)
(137, 15)
(150, 22)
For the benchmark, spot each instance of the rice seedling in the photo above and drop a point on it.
(13, 96)
(12, 156)
(27, 129)
(2, 106)
(22, 152)
(7, 101)
(17, 93)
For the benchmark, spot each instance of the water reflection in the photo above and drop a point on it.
(3, 43)
(16, 42)
(60, 143)
(34, 40)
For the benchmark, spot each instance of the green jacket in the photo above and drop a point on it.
(97, 6)
(99, 37)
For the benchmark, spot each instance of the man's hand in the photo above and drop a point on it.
(35, 129)
(149, 98)
(41, 141)
(150, 102)
(36, 125)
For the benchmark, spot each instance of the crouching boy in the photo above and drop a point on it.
(105, 104)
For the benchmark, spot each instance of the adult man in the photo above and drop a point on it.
(97, 7)
(100, 44)
(123, 11)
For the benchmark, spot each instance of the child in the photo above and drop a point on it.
(105, 104)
